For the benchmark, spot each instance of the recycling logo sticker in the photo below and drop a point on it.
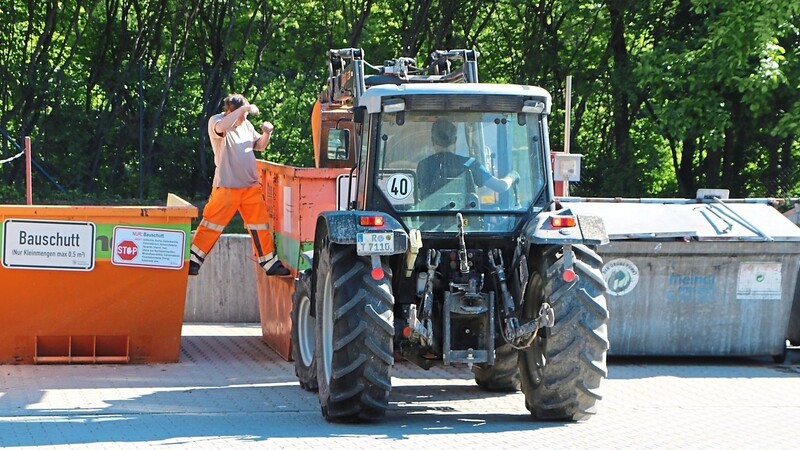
(621, 276)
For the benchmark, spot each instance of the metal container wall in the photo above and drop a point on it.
(697, 277)
(699, 298)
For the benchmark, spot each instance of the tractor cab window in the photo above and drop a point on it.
(481, 162)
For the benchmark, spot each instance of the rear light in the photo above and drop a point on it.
(371, 221)
(563, 221)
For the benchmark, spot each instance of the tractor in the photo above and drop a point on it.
(471, 262)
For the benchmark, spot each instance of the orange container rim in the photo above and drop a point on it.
(176, 207)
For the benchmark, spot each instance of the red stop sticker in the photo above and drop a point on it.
(127, 250)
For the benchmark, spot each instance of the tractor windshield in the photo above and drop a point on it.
(487, 165)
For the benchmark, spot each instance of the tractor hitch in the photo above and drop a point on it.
(521, 337)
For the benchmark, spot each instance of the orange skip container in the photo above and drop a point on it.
(93, 284)
(295, 196)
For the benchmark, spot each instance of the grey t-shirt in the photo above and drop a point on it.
(233, 155)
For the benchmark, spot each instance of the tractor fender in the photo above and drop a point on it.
(343, 227)
(589, 230)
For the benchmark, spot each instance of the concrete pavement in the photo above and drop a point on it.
(230, 390)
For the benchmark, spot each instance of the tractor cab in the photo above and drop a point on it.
(427, 144)
(483, 156)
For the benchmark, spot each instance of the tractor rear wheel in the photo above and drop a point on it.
(303, 329)
(354, 338)
(562, 371)
(503, 376)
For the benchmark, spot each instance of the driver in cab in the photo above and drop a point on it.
(434, 171)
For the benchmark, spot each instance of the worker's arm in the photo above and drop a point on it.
(485, 178)
(263, 140)
(230, 120)
(502, 184)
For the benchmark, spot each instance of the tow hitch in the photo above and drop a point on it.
(519, 336)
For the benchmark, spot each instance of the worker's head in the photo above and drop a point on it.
(234, 102)
(443, 133)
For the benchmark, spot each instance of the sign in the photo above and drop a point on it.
(148, 247)
(621, 276)
(759, 281)
(372, 243)
(49, 245)
(345, 185)
(127, 250)
(399, 187)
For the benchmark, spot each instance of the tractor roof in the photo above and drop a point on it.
(371, 98)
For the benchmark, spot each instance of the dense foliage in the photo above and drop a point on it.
(668, 96)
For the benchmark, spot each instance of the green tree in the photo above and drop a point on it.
(724, 93)
(668, 96)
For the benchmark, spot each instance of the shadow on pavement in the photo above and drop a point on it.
(235, 388)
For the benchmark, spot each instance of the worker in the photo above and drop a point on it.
(236, 185)
(435, 170)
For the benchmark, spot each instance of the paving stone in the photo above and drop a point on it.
(230, 390)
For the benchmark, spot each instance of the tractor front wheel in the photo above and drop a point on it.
(354, 338)
(303, 329)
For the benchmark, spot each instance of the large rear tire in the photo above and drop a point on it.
(355, 330)
(503, 376)
(303, 329)
(562, 371)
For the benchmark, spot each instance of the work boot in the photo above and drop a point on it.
(194, 268)
(277, 268)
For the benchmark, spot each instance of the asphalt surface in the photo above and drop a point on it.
(230, 390)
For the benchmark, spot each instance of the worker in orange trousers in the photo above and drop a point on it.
(236, 186)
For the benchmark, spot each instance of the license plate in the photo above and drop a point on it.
(375, 243)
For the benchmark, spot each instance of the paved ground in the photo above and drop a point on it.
(229, 390)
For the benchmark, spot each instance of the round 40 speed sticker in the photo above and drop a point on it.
(400, 187)
(621, 276)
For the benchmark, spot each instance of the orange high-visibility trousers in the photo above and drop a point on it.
(222, 205)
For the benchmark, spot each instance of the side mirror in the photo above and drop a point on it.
(338, 144)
